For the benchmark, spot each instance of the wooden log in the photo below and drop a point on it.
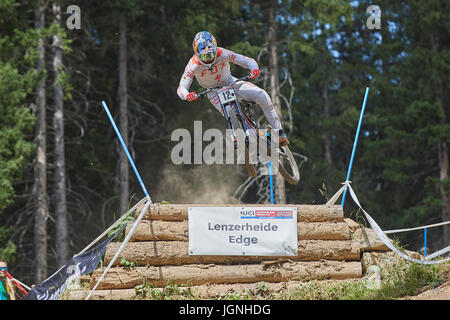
(126, 294)
(120, 278)
(253, 290)
(149, 230)
(305, 213)
(159, 253)
(323, 231)
(369, 240)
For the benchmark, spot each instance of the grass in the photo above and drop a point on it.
(403, 279)
(400, 280)
(171, 291)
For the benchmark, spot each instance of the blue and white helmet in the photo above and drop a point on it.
(205, 48)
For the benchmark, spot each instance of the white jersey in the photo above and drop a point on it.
(219, 74)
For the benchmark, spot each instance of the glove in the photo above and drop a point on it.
(254, 74)
(191, 96)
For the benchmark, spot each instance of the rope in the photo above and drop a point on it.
(111, 227)
(380, 233)
(438, 253)
(130, 233)
(418, 228)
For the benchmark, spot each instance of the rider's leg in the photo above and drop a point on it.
(250, 92)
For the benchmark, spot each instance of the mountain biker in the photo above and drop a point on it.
(210, 66)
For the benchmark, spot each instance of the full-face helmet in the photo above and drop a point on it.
(205, 48)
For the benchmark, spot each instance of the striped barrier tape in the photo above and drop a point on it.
(380, 233)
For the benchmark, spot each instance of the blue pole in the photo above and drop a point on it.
(126, 150)
(271, 182)
(355, 143)
(425, 241)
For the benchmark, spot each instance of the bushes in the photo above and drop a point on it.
(403, 279)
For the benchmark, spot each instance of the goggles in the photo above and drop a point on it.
(3, 268)
(207, 57)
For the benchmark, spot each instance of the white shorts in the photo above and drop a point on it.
(252, 93)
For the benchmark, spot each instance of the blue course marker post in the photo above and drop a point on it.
(425, 242)
(354, 144)
(271, 182)
(141, 214)
(126, 150)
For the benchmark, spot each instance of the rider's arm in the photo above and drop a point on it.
(241, 60)
(186, 81)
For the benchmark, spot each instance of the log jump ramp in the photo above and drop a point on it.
(159, 254)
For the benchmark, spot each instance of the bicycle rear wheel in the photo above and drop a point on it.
(288, 166)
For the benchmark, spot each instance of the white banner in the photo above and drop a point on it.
(250, 231)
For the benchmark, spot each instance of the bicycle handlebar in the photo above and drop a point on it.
(203, 93)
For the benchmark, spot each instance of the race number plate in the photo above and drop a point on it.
(227, 95)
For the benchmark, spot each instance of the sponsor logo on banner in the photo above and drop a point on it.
(266, 214)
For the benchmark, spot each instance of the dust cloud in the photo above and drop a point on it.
(198, 184)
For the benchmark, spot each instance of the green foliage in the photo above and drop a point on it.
(403, 279)
(127, 264)
(171, 291)
(121, 236)
(407, 279)
(7, 248)
(16, 120)
(399, 280)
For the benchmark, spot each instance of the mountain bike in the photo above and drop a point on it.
(244, 132)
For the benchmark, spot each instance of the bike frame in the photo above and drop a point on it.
(246, 123)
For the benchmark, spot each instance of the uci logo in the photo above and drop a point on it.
(247, 213)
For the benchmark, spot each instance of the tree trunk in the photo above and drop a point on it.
(442, 149)
(443, 176)
(62, 238)
(326, 137)
(40, 168)
(123, 102)
(279, 184)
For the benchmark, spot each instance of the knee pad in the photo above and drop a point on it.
(263, 99)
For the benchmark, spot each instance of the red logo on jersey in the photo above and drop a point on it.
(213, 71)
